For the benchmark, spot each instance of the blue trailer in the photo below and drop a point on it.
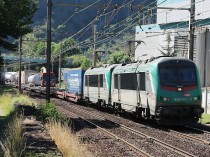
(75, 84)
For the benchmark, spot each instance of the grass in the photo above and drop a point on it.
(13, 143)
(205, 119)
(66, 141)
(6, 89)
(24, 100)
(6, 105)
(8, 101)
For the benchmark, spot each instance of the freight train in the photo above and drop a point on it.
(165, 89)
(29, 78)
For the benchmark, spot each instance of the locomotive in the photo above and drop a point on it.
(165, 89)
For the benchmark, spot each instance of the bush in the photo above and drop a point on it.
(47, 112)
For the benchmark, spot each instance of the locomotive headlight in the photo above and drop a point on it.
(165, 99)
(195, 98)
(179, 89)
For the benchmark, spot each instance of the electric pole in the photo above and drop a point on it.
(60, 66)
(192, 29)
(20, 65)
(206, 70)
(94, 45)
(49, 14)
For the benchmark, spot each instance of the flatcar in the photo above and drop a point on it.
(74, 85)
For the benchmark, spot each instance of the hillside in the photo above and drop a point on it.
(62, 13)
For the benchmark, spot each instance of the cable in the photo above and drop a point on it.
(74, 14)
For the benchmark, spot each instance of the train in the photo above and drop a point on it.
(164, 89)
(29, 78)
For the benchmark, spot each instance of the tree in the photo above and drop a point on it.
(168, 50)
(77, 61)
(119, 57)
(16, 17)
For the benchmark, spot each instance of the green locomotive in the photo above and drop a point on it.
(165, 89)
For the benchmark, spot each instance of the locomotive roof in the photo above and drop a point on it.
(132, 67)
(100, 70)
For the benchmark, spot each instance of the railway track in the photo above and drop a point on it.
(183, 135)
(142, 135)
(198, 129)
(189, 137)
(134, 148)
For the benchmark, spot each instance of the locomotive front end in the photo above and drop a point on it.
(179, 92)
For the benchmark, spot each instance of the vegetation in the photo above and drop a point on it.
(6, 105)
(6, 89)
(66, 141)
(47, 112)
(76, 61)
(16, 17)
(168, 50)
(8, 101)
(13, 143)
(119, 57)
(24, 100)
(205, 119)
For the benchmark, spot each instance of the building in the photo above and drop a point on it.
(174, 22)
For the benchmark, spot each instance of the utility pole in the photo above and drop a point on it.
(60, 66)
(20, 65)
(49, 14)
(192, 29)
(191, 26)
(205, 70)
(94, 45)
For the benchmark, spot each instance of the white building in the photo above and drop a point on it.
(175, 22)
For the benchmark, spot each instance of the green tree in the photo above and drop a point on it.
(77, 61)
(168, 50)
(16, 17)
(119, 57)
(29, 45)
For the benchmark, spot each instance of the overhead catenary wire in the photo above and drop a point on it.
(121, 32)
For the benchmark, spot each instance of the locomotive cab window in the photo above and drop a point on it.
(177, 75)
(101, 80)
(142, 81)
(93, 80)
(115, 81)
(128, 81)
(86, 80)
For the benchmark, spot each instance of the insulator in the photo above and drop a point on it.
(131, 7)
(116, 6)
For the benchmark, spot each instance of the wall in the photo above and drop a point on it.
(202, 10)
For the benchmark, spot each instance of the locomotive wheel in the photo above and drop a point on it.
(103, 104)
(147, 113)
(118, 109)
(87, 102)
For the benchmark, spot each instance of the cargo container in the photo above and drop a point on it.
(75, 84)
(9, 76)
(44, 79)
(35, 80)
(25, 75)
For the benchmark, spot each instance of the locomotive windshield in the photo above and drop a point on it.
(177, 75)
